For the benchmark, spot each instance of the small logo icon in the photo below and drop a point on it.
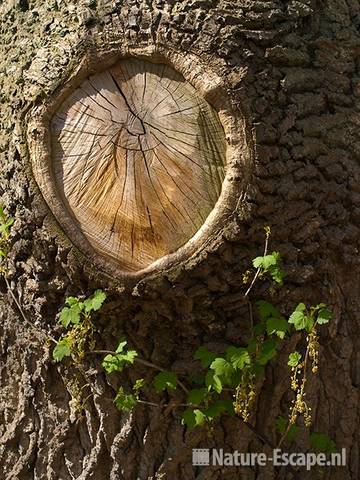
(200, 457)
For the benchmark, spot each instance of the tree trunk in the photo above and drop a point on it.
(290, 74)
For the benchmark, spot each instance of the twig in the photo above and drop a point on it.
(159, 405)
(153, 365)
(141, 362)
(269, 443)
(259, 435)
(257, 273)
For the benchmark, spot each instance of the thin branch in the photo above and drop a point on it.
(264, 439)
(141, 362)
(257, 273)
(162, 405)
(259, 435)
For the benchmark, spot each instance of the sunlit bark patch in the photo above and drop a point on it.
(138, 159)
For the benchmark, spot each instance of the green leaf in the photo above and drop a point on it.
(281, 426)
(124, 402)
(70, 315)
(94, 303)
(4, 228)
(293, 431)
(165, 381)
(213, 382)
(112, 363)
(197, 395)
(218, 408)
(197, 378)
(322, 442)
(238, 357)
(223, 369)
(294, 359)
(266, 310)
(277, 275)
(257, 369)
(270, 264)
(128, 357)
(300, 319)
(139, 384)
(205, 356)
(324, 315)
(10, 221)
(253, 345)
(258, 262)
(297, 318)
(116, 363)
(193, 418)
(71, 301)
(278, 326)
(301, 307)
(268, 351)
(309, 323)
(259, 329)
(121, 346)
(270, 260)
(61, 350)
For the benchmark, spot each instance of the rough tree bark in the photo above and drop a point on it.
(292, 69)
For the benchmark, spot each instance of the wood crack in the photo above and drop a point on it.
(138, 156)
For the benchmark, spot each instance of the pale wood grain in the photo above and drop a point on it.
(138, 157)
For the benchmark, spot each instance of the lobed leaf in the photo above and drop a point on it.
(278, 326)
(218, 408)
(322, 442)
(205, 356)
(112, 363)
(281, 426)
(213, 382)
(294, 359)
(165, 381)
(324, 315)
(116, 363)
(128, 357)
(61, 350)
(70, 315)
(138, 385)
(94, 303)
(124, 402)
(266, 310)
(197, 395)
(222, 369)
(300, 318)
(238, 357)
(268, 351)
(270, 264)
(193, 418)
(71, 301)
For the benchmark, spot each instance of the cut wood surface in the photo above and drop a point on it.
(138, 158)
